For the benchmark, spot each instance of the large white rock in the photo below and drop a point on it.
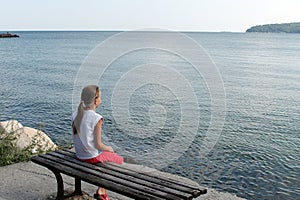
(8, 127)
(26, 137)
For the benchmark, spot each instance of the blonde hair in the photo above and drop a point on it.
(88, 95)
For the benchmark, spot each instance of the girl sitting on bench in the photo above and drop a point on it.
(87, 130)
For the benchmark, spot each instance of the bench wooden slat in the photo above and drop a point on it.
(176, 185)
(128, 178)
(113, 179)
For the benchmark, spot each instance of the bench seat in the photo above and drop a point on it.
(117, 178)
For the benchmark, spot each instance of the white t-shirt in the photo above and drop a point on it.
(84, 140)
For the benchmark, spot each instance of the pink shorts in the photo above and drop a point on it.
(105, 156)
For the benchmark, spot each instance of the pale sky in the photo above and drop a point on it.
(176, 15)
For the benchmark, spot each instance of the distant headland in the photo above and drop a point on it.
(276, 28)
(8, 35)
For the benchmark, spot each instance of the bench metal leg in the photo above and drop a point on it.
(78, 186)
(77, 191)
(60, 185)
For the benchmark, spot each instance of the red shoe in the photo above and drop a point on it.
(101, 197)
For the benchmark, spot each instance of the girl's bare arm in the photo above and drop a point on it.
(98, 142)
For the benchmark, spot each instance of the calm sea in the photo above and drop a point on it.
(257, 155)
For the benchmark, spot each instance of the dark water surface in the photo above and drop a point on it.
(257, 154)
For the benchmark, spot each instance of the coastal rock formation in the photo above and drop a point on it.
(26, 137)
(276, 28)
(8, 35)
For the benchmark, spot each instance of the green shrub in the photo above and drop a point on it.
(10, 154)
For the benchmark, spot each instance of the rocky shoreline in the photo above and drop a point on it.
(8, 35)
(276, 28)
(27, 180)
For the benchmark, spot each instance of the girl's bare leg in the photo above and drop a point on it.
(101, 190)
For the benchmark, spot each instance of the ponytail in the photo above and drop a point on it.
(77, 121)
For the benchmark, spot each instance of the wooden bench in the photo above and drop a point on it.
(117, 178)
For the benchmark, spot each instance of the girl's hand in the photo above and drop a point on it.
(110, 149)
